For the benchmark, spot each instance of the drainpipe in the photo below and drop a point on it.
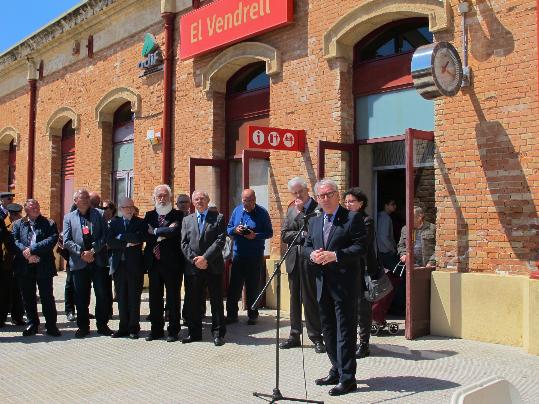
(168, 19)
(32, 82)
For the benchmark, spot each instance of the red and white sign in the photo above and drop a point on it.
(224, 22)
(261, 137)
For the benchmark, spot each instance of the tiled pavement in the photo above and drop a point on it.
(100, 369)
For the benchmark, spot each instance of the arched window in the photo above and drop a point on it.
(253, 77)
(123, 153)
(12, 163)
(67, 166)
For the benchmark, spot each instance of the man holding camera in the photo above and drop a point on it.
(250, 226)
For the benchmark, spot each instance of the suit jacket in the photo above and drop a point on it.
(369, 262)
(74, 242)
(169, 245)
(118, 237)
(46, 238)
(209, 244)
(347, 239)
(291, 226)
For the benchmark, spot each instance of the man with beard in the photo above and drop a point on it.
(124, 240)
(164, 261)
(35, 237)
(85, 239)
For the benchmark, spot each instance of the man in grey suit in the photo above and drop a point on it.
(85, 233)
(203, 239)
(301, 282)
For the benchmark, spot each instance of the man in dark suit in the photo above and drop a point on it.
(85, 234)
(35, 237)
(125, 237)
(301, 281)
(335, 243)
(203, 239)
(164, 260)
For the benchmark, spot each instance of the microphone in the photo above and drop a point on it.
(317, 212)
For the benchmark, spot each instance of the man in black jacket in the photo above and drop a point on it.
(301, 281)
(203, 239)
(35, 237)
(124, 239)
(164, 260)
(335, 243)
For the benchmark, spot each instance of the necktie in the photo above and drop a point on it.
(200, 223)
(156, 250)
(126, 224)
(327, 227)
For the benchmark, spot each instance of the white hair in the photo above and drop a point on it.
(80, 191)
(325, 182)
(203, 193)
(297, 181)
(157, 188)
(418, 211)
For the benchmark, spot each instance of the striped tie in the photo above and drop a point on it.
(156, 250)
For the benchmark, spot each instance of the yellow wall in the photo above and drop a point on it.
(486, 307)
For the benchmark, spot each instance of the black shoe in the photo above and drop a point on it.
(155, 335)
(91, 316)
(219, 341)
(189, 339)
(319, 346)
(30, 330)
(54, 332)
(18, 321)
(363, 350)
(119, 334)
(172, 338)
(343, 388)
(329, 380)
(133, 335)
(71, 316)
(291, 342)
(252, 321)
(231, 320)
(104, 330)
(81, 333)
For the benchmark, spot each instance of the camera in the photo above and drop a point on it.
(244, 230)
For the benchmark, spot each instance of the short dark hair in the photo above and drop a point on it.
(359, 195)
(387, 201)
(110, 205)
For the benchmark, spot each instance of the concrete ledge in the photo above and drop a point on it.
(486, 307)
(492, 390)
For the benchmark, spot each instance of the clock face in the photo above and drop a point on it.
(447, 69)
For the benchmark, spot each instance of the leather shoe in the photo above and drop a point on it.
(54, 332)
(218, 341)
(291, 342)
(71, 316)
(104, 330)
(189, 339)
(231, 320)
(153, 336)
(81, 333)
(343, 388)
(119, 334)
(329, 380)
(133, 335)
(363, 350)
(18, 321)
(30, 330)
(319, 347)
(172, 338)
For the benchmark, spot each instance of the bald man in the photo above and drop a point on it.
(249, 225)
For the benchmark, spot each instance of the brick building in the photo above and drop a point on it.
(75, 111)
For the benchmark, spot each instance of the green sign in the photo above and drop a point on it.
(150, 44)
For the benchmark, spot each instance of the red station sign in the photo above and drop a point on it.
(261, 137)
(224, 22)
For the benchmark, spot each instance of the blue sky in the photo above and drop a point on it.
(20, 18)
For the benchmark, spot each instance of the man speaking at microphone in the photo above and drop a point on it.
(301, 281)
(335, 242)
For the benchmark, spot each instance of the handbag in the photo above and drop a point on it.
(379, 286)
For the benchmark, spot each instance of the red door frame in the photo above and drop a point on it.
(417, 321)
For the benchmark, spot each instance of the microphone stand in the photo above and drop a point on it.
(276, 394)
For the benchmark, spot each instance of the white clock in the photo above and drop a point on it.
(437, 70)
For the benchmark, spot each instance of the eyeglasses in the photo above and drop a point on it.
(182, 202)
(127, 207)
(107, 207)
(327, 195)
(350, 201)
